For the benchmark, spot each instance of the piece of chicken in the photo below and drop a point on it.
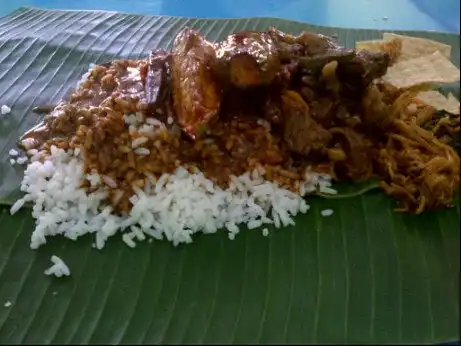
(313, 51)
(196, 94)
(301, 132)
(248, 59)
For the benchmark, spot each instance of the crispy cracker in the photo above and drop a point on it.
(439, 101)
(371, 46)
(414, 47)
(393, 47)
(428, 69)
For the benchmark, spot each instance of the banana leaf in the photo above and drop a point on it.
(364, 275)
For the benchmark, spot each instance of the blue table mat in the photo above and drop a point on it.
(431, 15)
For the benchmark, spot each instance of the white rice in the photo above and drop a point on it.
(32, 152)
(5, 110)
(326, 212)
(154, 122)
(109, 181)
(94, 179)
(58, 269)
(254, 224)
(13, 153)
(128, 240)
(130, 119)
(327, 190)
(139, 141)
(175, 207)
(142, 151)
(22, 160)
(17, 205)
(137, 232)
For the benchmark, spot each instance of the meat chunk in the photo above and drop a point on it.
(313, 51)
(357, 149)
(272, 111)
(364, 68)
(248, 59)
(321, 49)
(196, 94)
(287, 44)
(301, 132)
(359, 68)
(158, 77)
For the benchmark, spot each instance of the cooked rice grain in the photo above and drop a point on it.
(58, 269)
(179, 205)
(5, 110)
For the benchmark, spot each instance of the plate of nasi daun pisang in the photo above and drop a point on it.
(322, 164)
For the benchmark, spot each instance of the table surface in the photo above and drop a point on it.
(432, 15)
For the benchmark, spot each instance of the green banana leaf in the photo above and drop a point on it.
(363, 275)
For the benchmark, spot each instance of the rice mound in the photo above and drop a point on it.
(176, 206)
